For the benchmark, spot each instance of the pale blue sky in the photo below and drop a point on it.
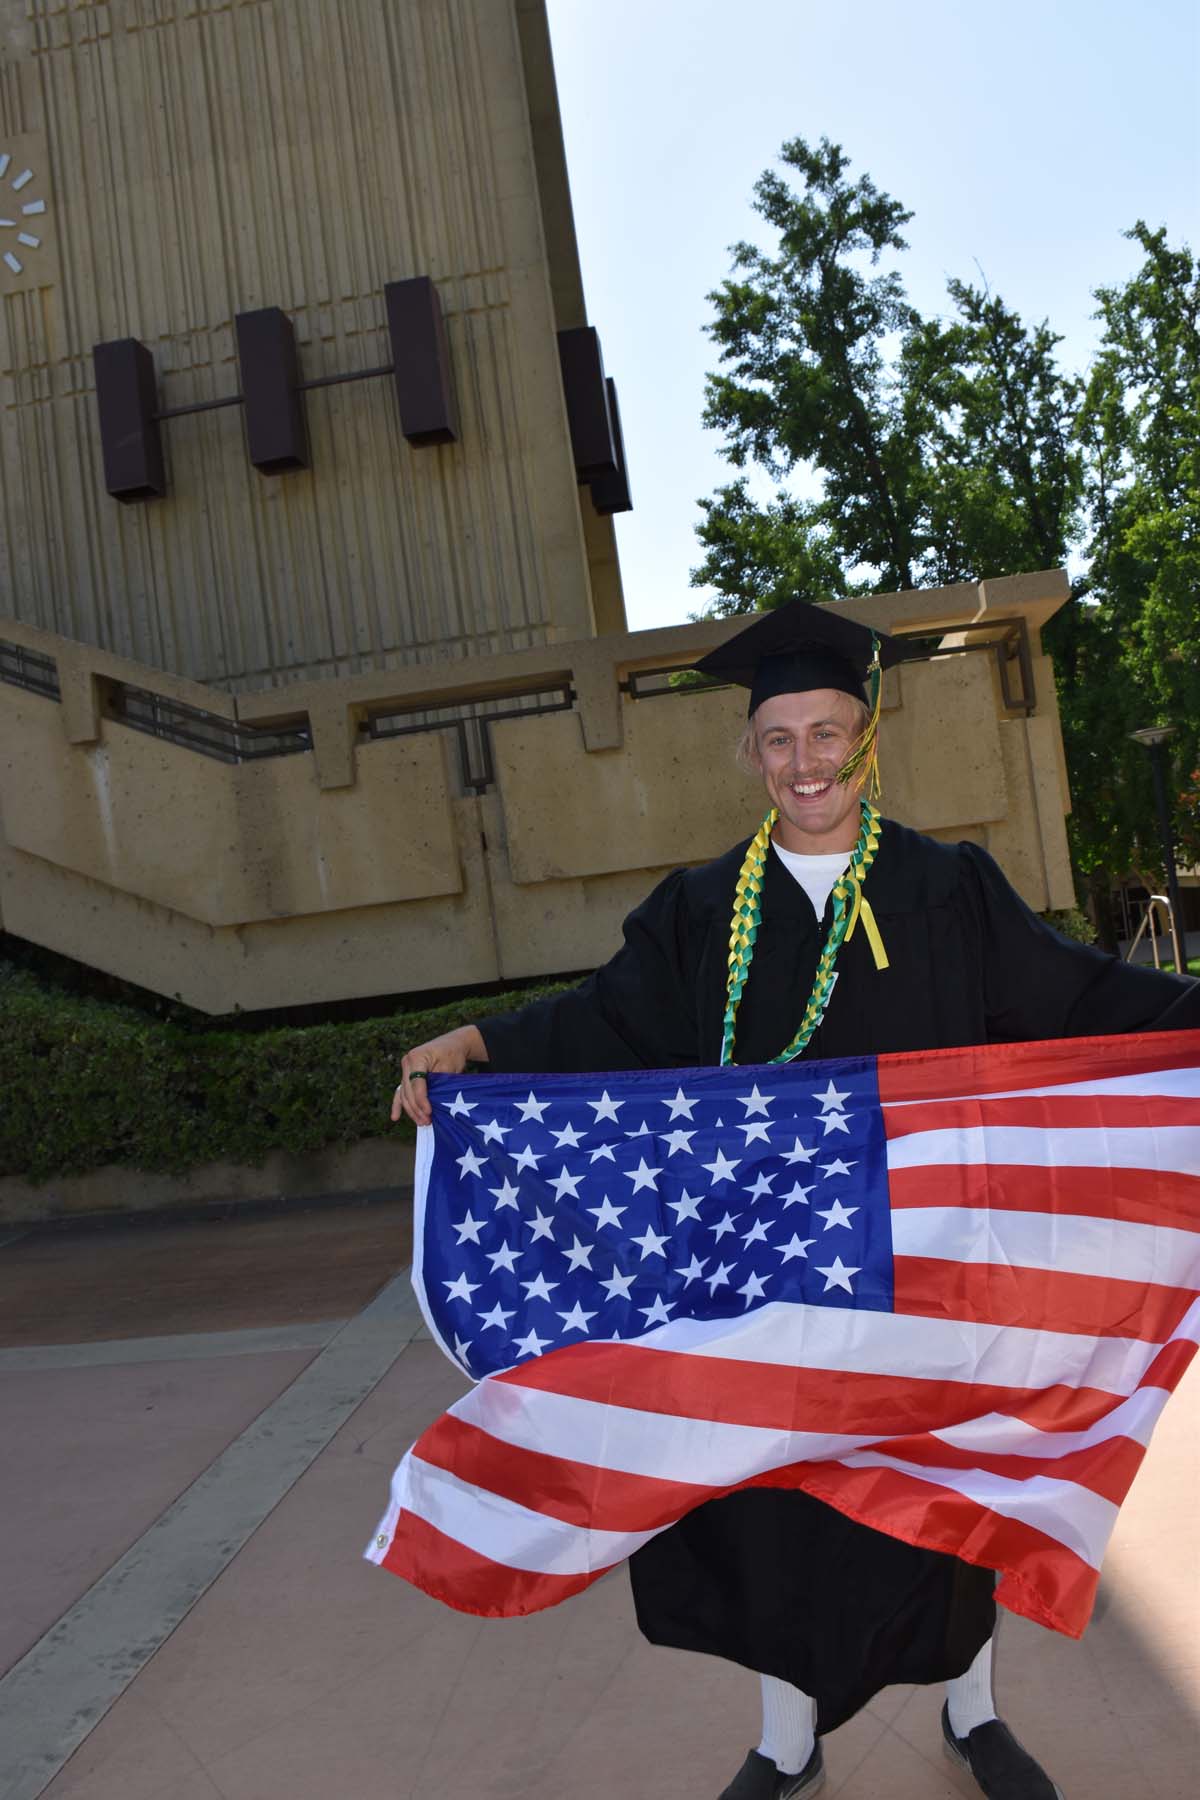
(1024, 137)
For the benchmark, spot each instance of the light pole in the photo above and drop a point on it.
(1153, 738)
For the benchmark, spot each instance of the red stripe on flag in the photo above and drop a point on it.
(1040, 1578)
(1136, 1196)
(1106, 1469)
(470, 1583)
(687, 1384)
(991, 1068)
(1038, 1299)
(1044, 1112)
(579, 1493)
(1169, 1365)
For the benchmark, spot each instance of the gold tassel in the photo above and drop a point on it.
(863, 760)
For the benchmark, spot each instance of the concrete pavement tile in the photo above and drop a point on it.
(104, 1452)
(141, 1279)
(131, 1755)
(888, 1764)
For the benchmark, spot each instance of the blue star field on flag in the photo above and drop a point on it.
(560, 1208)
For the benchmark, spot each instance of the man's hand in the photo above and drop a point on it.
(445, 1055)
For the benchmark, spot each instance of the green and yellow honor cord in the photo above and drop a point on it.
(849, 902)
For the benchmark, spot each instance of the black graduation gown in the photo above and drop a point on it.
(777, 1580)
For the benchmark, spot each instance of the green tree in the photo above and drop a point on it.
(958, 448)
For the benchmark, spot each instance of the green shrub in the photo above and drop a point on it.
(1072, 922)
(85, 1082)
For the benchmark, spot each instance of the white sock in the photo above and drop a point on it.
(789, 1725)
(969, 1696)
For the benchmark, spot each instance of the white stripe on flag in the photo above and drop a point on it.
(999, 1434)
(1063, 1510)
(669, 1446)
(1070, 1243)
(509, 1533)
(1081, 1147)
(920, 1349)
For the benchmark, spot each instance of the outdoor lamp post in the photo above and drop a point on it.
(1154, 738)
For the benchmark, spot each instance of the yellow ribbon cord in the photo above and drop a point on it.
(863, 905)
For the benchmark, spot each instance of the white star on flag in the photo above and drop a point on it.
(837, 1168)
(493, 1132)
(761, 1186)
(643, 1130)
(497, 1317)
(604, 1108)
(754, 1287)
(693, 1270)
(568, 1138)
(722, 1226)
(576, 1319)
(719, 1277)
(527, 1158)
(686, 1207)
(678, 1142)
(652, 1243)
(832, 1098)
(579, 1255)
(531, 1345)
(837, 1214)
(643, 1176)
(836, 1122)
(505, 1258)
(797, 1197)
(565, 1183)
(506, 1195)
(539, 1288)
(757, 1131)
(462, 1289)
(659, 1313)
(459, 1108)
(541, 1226)
(469, 1163)
(618, 1284)
(467, 1228)
(798, 1153)
(605, 1150)
(606, 1213)
(795, 1246)
(837, 1275)
(757, 1234)
(722, 1169)
(681, 1107)
(754, 1102)
(533, 1108)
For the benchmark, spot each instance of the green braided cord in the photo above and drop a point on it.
(747, 912)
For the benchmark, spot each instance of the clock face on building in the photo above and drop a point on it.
(22, 214)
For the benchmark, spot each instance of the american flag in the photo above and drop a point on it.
(946, 1292)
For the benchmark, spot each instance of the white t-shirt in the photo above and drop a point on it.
(816, 874)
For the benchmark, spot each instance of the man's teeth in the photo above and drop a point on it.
(809, 787)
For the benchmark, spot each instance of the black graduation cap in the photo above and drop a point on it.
(798, 647)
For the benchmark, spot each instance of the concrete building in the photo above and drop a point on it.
(314, 674)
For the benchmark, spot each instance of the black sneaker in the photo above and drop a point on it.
(1002, 1768)
(759, 1779)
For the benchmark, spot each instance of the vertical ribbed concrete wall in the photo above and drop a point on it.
(199, 158)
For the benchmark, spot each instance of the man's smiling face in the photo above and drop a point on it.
(800, 743)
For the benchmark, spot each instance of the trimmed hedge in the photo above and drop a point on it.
(85, 1083)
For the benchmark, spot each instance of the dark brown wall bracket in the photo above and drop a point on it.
(271, 391)
(594, 421)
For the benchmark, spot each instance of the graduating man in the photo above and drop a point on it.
(862, 937)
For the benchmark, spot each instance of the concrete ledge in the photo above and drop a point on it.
(369, 1169)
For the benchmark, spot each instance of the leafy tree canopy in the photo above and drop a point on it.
(957, 448)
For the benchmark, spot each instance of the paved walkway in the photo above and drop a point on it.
(208, 1417)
